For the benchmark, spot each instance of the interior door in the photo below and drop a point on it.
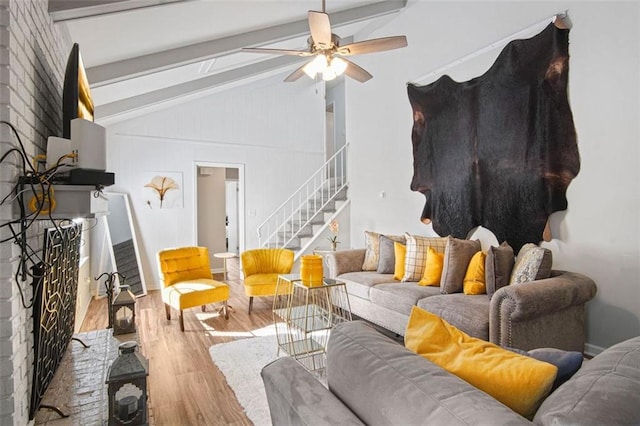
(231, 203)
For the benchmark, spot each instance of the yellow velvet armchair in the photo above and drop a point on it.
(185, 274)
(261, 268)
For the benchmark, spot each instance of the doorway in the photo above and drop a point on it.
(219, 206)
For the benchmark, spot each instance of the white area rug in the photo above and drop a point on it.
(241, 361)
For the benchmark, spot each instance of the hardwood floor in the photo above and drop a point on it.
(185, 386)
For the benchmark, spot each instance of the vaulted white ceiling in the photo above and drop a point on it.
(140, 53)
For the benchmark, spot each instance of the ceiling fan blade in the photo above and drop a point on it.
(356, 72)
(276, 51)
(299, 72)
(320, 28)
(373, 45)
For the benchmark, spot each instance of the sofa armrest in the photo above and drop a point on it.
(535, 298)
(343, 261)
(603, 392)
(295, 397)
(526, 314)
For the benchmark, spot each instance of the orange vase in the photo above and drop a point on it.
(311, 270)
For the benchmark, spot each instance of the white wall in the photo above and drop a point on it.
(599, 234)
(274, 129)
(336, 96)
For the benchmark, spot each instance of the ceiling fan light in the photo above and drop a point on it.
(310, 70)
(338, 65)
(329, 74)
(318, 65)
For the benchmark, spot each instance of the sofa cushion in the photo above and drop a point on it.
(417, 254)
(519, 382)
(387, 258)
(457, 255)
(400, 297)
(498, 267)
(469, 313)
(599, 393)
(359, 283)
(533, 263)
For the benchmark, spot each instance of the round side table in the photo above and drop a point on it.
(224, 256)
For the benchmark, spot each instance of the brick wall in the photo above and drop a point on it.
(33, 55)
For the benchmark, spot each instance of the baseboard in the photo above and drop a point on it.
(592, 350)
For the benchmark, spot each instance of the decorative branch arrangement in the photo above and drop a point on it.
(109, 285)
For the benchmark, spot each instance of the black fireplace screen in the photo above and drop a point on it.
(54, 306)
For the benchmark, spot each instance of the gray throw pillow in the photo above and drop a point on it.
(567, 362)
(387, 259)
(457, 255)
(498, 267)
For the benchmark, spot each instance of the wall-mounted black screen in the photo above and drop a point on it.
(76, 95)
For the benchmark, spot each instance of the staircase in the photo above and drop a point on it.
(127, 265)
(298, 222)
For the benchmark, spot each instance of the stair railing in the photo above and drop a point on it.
(296, 215)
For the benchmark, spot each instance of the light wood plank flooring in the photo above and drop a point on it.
(185, 386)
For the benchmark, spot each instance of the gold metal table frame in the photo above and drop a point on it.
(304, 316)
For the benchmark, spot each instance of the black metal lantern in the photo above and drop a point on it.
(127, 387)
(123, 312)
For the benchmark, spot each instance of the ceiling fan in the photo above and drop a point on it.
(328, 55)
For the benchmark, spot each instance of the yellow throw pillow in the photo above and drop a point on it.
(519, 382)
(474, 281)
(433, 268)
(400, 251)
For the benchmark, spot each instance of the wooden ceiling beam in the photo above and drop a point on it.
(195, 87)
(159, 61)
(68, 10)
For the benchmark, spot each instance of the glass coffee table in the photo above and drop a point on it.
(304, 316)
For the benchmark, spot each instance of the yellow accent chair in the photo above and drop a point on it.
(186, 278)
(261, 268)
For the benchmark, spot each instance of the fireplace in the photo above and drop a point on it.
(54, 305)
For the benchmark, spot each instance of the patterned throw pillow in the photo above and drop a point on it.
(372, 255)
(416, 257)
(387, 258)
(498, 267)
(457, 255)
(532, 263)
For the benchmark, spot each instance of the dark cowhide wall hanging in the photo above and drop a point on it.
(499, 150)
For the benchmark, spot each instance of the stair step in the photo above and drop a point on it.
(316, 220)
(302, 234)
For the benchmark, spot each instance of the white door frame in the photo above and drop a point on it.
(241, 210)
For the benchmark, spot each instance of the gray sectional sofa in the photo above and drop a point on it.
(376, 381)
(543, 313)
